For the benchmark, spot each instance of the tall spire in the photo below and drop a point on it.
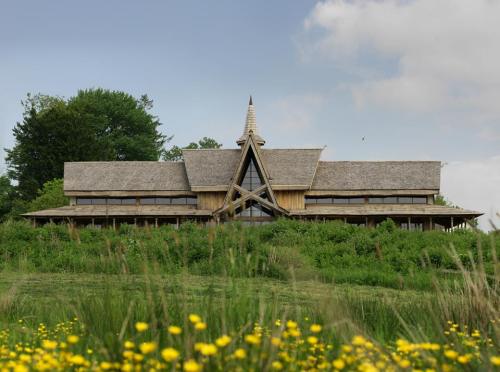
(250, 126)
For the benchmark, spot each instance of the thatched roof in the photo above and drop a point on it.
(125, 176)
(119, 210)
(385, 210)
(286, 167)
(377, 175)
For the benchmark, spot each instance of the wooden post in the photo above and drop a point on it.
(366, 221)
(34, 221)
(93, 222)
(177, 222)
(135, 222)
(409, 223)
(451, 220)
(345, 220)
(114, 224)
(156, 222)
(431, 227)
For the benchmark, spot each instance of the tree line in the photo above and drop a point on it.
(94, 125)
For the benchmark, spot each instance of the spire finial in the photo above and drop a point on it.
(250, 126)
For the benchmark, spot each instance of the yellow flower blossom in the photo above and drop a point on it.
(208, 349)
(451, 354)
(141, 326)
(223, 341)
(194, 318)
(191, 366)
(169, 354)
(312, 340)
(252, 339)
(495, 360)
(174, 330)
(275, 341)
(315, 328)
(129, 345)
(277, 365)
(200, 326)
(49, 345)
(147, 347)
(291, 324)
(338, 364)
(73, 339)
(240, 353)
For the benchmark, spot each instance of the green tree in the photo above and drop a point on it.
(175, 152)
(96, 124)
(441, 200)
(50, 196)
(6, 194)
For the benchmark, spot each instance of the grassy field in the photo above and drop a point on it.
(382, 298)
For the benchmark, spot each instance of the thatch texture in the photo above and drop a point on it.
(286, 167)
(125, 176)
(377, 175)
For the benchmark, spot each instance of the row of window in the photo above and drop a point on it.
(370, 200)
(190, 200)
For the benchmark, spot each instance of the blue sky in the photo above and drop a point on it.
(321, 73)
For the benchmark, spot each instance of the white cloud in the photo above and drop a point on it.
(296, 112)
(474, 185)
(446, 52)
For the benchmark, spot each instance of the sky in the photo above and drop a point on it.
(370, 80)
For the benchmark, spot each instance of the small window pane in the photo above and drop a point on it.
(356, 200)
(324, 200)
(128, 201)
(191, 200)
(83, 201)
(99, 201)
(310, 200)
(147, 201)
(390, 200)
(162, 201)
(178, 201)
(375, 200)
(405, 200)
(114, 201)
(340, 200)
(419, 200)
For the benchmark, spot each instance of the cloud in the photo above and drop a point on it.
(425, 55)
(474, 185)
(296, 112)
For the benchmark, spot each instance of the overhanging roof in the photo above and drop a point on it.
(118, 211)
(385, 210)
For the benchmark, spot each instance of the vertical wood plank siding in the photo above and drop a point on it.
(290, 199)
(210, 200)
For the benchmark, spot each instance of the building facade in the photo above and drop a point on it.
(254, 185)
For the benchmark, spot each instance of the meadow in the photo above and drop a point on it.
(290, 295)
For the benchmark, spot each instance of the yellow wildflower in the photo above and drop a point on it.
(252, 339)
(147, 347)
(277, 365)
(77, 360)
(105, 366)
(194, 318)
(275, 341)
(49, 345)
(141, 326)
(129, 345)
(174, 330)
(451, 354)
(495, 360)
(312, 340)
(338, 364)
(223, 341)
(200, 326)
(463, 359)
(191, 366)
(73, 339)
(291, 324)
(315, 328)
(240, 353)
(169, 354)
(208, 349)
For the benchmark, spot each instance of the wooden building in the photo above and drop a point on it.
(255, 185)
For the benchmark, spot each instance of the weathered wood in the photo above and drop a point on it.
(290, 199)
(211, 200)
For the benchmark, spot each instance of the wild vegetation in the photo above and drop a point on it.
(379, 299)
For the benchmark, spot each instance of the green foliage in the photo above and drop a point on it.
(333, 251)
(96, 124)
(175, 152)
(6, 194)
(50, 196)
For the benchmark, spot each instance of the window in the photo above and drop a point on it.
(128, 201)
(335, 200)
(178, 201)
(340, 200)
(253, 209)
(163, 201)
(183, 200)
(397, 200)
(84, 201)
(419, 200)
(147, 201)
(356, 200)
(405, 200)
(251, 180)
(390, 200)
